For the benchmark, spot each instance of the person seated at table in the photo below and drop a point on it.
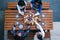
(19, 34)
(21, 6)
(36, 5)
(39, 35)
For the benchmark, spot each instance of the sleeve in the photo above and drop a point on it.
(26, 33)
(40, 28)
(32, 1)
(18, 9)
(40, 8)
(35, 37)
(13, 31)
(25, 5)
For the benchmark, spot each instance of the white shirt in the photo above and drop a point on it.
(35, 37)
(41, 29)
(19, 11)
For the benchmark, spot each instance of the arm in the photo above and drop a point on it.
(18, 9)
(28, 30)
(35, 37)
(13, 30)
(40, 28)
(39, 10)
(32, 1)
(25, 5)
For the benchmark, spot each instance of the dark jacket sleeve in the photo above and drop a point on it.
(26, 33)
(40, 8)
(32, 1)
(13, 31)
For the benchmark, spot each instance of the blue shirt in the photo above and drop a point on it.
(34, 6)
(24, 33)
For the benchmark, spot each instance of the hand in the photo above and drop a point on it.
(21, 12)
(39, 19)
(35, 22)
(37, 13)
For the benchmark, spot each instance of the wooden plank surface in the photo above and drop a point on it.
(16, 11)
(10, 20)
(45, 5)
